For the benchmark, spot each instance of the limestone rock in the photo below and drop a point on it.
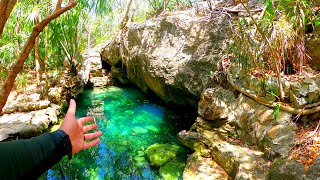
(237, 161)
(286, 169)
(192, 46)
(100, 81)
(216, 103)
(258, 126)
(91, 68)
(31, 106)
(26, 124)
(202, 168)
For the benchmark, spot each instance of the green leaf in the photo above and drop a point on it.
(276, 111)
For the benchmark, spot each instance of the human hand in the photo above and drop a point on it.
(77, 130)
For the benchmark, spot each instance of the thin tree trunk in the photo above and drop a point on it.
(126, 15)
(38, 61)
(89, 35)
(6, 7)
(17, 66)
(45, 60)
(16, 42)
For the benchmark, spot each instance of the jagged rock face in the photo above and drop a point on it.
(256, 123)
(216, 103)
(172, 55)
(210, 140)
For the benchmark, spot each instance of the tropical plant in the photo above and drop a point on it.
(276, 42)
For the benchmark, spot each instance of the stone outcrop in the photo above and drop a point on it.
(210, 140)
(256, 123)
(26, 115)
(171, 55)
(203, 168)
(300, 92)
(91, 70)
(26, 124)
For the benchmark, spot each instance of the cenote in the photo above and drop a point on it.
(130, 124)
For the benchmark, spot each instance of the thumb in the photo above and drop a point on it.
(72, 108)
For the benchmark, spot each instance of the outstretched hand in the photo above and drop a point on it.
(78, 131)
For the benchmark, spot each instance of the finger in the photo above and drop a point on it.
(92, 143)
(92, 135)
(85, 120)
(89, 127)
(72, 107)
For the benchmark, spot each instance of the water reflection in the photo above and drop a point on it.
(130, 124)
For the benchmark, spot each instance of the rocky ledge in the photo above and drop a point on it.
(245, 139)
(27, 115)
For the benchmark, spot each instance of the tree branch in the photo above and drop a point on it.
(18, 64)
(6, 7)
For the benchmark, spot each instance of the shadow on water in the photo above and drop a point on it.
(130, 123)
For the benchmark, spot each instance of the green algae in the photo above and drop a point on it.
(159, 154)
(172, 170)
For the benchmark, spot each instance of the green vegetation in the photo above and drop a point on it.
(275, 43)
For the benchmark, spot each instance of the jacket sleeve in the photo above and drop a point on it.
(29, 159)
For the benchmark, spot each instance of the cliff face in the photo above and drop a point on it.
(170, 55)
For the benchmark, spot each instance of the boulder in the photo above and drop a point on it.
(286, 169)
(192, 45)
(203, 168)
(237, 161)
(26, 124)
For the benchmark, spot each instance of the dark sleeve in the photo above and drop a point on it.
(29, 159)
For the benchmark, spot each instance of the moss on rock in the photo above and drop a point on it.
(158, 154)
(172, 170)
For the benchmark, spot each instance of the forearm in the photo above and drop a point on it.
(30, 158)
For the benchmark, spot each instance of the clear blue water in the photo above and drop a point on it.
(130, 123)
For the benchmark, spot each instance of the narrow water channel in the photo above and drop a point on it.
(130, 124)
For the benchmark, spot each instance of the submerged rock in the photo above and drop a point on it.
(158, 154)
(172, 170)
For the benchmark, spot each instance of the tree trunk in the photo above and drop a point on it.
(6, 7)
(38, 62)
(17, 66)
(16, 42)
(125, 15)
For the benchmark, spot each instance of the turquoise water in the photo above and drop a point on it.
(130, 123)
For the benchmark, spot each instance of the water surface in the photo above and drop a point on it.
(130, 123)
